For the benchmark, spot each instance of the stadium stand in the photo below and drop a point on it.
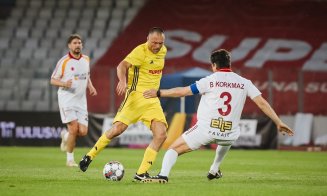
(33, 37)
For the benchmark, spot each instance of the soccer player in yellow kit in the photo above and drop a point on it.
(144, 65)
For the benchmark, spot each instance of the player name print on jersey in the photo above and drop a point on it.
(226, 84)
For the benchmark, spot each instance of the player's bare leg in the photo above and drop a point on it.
(71, 142)
(179, 147)
(64, 135)
(159, 131)
(82, 130)
(159, 136)
(117, 129)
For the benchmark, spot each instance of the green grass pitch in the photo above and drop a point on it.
(42, 171)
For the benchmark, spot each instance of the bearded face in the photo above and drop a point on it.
(75, 46)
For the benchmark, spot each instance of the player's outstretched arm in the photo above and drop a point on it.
(267, 109)
(173, 92)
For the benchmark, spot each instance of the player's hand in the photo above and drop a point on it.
(69, 83)
(284, 129)
(150, 93)
(93, 91)
(121, 87)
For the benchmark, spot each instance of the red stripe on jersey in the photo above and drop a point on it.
(191, 129)
(71, 56)
(225, 70)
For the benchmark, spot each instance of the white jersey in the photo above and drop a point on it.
(78, 70)
(223, 98)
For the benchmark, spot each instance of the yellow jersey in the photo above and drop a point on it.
(146, 70)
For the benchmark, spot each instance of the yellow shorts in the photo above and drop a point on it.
(136, 108)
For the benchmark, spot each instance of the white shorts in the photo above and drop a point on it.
(69, 114)
(198, 136)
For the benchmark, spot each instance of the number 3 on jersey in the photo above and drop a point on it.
(226, 103)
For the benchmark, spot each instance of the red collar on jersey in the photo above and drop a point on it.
(225, 70)
(71, 56)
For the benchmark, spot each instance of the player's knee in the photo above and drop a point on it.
(160, 135)
(73, 128)
(116, 130)
(82, 132)
(163, 137)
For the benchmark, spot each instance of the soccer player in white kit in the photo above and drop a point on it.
(72, 76)
(223, 97)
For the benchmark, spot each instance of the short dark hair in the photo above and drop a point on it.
(73, 36)
(221, 58)
(156, 30)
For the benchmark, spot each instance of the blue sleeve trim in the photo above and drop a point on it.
(194, 89)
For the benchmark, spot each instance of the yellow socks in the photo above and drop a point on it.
(102, 142)
(148, 159)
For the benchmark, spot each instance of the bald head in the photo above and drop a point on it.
(156, 39)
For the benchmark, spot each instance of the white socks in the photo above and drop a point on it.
(70, 157)
(171, 155)
(221, 151)
(168, 162)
